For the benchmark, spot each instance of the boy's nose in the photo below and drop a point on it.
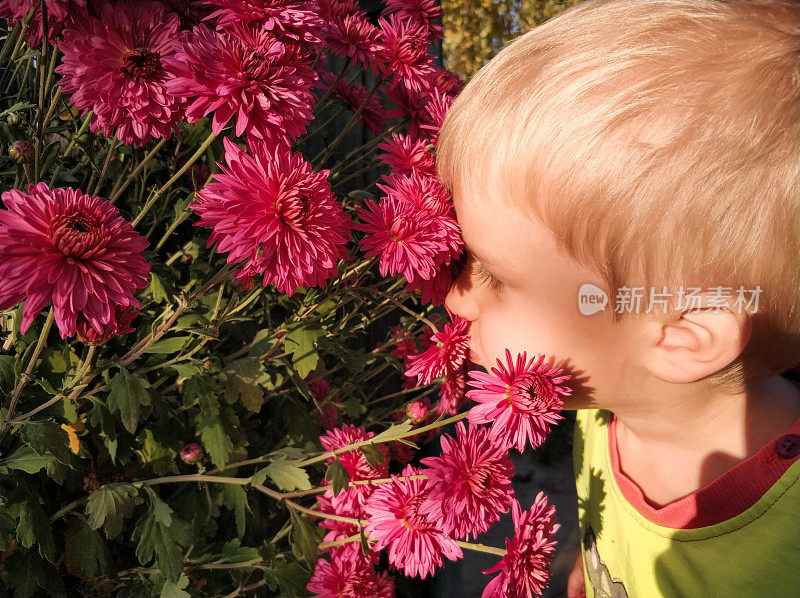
(460, 300)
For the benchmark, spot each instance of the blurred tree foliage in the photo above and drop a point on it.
(475, 30)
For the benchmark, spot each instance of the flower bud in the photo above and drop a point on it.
(416, 411)
(21, 152)
(13, 118)
(191, 453)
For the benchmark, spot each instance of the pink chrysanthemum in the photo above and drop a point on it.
(426, 12)
(400, 235)
(404, 343)
(428, 195)
(525, 569)
(470, 483)
(445, 81)
(295, 20)
(338, 9)
(118, 66)
(404, 50)
(247, 73)
(416, 544)
(446, 354)
(73, 250)
(412, 104)
(119, 325)
(373, 115)
(407, 155)
(271, 209)
(436, 288)
(353, 36)
(437, 107)
(342, 577)
(59, 14)
(520, 399)
(350, 502)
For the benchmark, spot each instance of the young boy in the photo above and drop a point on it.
(626, 180)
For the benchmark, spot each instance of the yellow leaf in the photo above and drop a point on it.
(74, 443)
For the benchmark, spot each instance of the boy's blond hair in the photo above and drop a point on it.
(658, 141)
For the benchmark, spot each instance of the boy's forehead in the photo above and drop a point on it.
(492, 227)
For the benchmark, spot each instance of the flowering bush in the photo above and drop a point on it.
(251, 343)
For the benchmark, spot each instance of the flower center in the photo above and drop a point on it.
(411, 519)
(290, 208)
(412, 49)
(142, 64)
(529, 396)
(78, 235)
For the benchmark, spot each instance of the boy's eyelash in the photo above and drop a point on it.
(484, 277)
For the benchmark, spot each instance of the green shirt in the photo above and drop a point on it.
(755, 553)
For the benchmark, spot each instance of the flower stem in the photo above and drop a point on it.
(289, 503)
(115, 195)
(87, 363)
(332, 454)
(334, 543)
(481, 548)
(70, 147)
(109, 155)
(325, 154)
(26, 375)
(339, 77)
(200, 151)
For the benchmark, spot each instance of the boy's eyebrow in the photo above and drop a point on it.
(481, 258)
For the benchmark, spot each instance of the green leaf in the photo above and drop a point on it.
(241, 383)
(202, 389)
(159, 534)
(187, 370)
(373, 455)
(354, 407)
(287, 476)
(158, 289)
(357, 362)
(261, 342)
(290, 577)
(169, 345)
(34, 527)
(393, 432)
(156, 454)
(267, 552)
(26, 571)
(175, 589)
(128, 393)
(215, 440)
(109, 505)
(27, 460)
(236, 500)
(301, 342)
(91, 552)
(259, 477)
(304, 537)
(6, 373)
(337, 475)
(47, 437)
(234, 552)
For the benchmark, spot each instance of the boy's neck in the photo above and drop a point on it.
(682, 443)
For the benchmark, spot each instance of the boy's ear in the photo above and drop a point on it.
(688, 345)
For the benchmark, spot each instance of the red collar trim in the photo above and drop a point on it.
(729, 495)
